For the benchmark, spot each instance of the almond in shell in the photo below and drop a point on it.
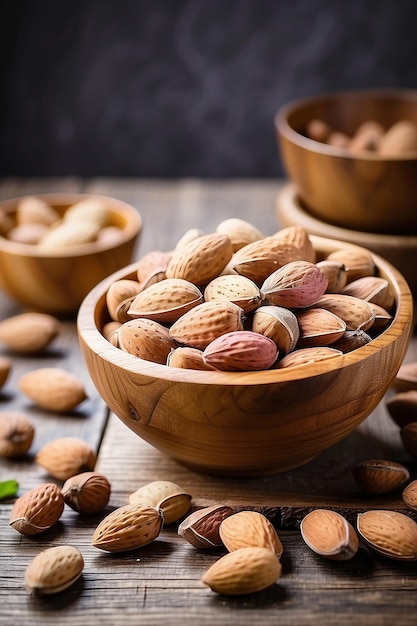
(128, 528)
(358, 262)
(238, 289)
(303, 356)
(297, 236)
(119, 296)
(34, 210)
(207, 321)
(202, 259)
(239, 231)
(409, 495)
(261, 258)
(319, 327)
(146, 339)
(279, 324)
(37, 510)
(188, 358)
(164, 495)
(87, 492)
(241, 351)
(54, 570)
(355, 312)
(165, 301)
(372, 289)
(53, 389)
(66, 456)
(16, 434)
(249, 529)
(28, 333)
(376, 476)
(402, 408)
(297, 284)
(336, 274)
(243, 571)
(151, 268)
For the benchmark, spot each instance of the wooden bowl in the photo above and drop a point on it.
(399, 250)
(360, 191)
(56, 281)
(247, 423)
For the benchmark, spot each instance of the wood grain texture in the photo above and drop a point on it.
(160, 584)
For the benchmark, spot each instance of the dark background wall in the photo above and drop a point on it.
(164, 88)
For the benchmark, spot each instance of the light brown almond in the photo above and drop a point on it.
(146, 339)
(329, 534)
(234, 288)
(202, 259)
(402, 407)
(239, 231)
(166, 300)
(279, 324)
(28, 333)
(247, 570)
(297, 284)
(128, 528)
(53, 570)
(376, 476)
(87, 492)
(66, 456)
(37, 510)
(249, 529)
(390, 533)
(319, 327)
(53, 389)
(16, 434)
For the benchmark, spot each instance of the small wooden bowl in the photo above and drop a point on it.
(399, 250)
(246, 423)
(361, 191)
(56, 281)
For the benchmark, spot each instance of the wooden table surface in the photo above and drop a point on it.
(160, 583)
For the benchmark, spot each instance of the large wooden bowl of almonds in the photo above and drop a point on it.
(240, 354)
(353, 157)
(55, 247)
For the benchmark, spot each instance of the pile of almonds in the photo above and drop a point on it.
(236, 300)
(36, 222)
(398, 140)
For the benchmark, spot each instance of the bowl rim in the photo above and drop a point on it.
(90, 335)
(132, 228)
(283, 127)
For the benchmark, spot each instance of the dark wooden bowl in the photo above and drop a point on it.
(247, 423)
(358, 191)
(56, 281)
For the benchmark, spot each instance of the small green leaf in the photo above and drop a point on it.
(8, 489)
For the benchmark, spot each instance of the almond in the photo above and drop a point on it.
(261, 258)
(409, 495)
(119, 296)
(68, 234)
(408, 435)
(319, 327)
(146, 339)
(249, 529)
(33, 210)
(207, 321)
(406, 378)
(297, 236)
(65, 457)
(201, 528)
(37, 510)
(247, 570)
(358, 262)
(166, 300)
(16, 434)
(329, 534)
(168, 497)
(279, 324)
(241, 350)
(239, 231)
(335, 273)
(399, 140)
(188, 358)
(87, 493)
(127, 528)
(202, 259)
(355, 312)
(379, 476)
(308, 355)
(297, 284)
(53, 389)
(28, 333)
(372, 289)
(402, 407)
(238, 289)
(390, 533)
(54, 570)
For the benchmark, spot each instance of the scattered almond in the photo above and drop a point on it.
(201, 528)
(87, 493)
(16, 434)
(390, 533)
(28, 333)
(379, 476)
(329, 534)
(37, 510)
(53, 389)
(249, 529)
(127, 528)
(243, 571)
(65, 457)
(54, 570)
